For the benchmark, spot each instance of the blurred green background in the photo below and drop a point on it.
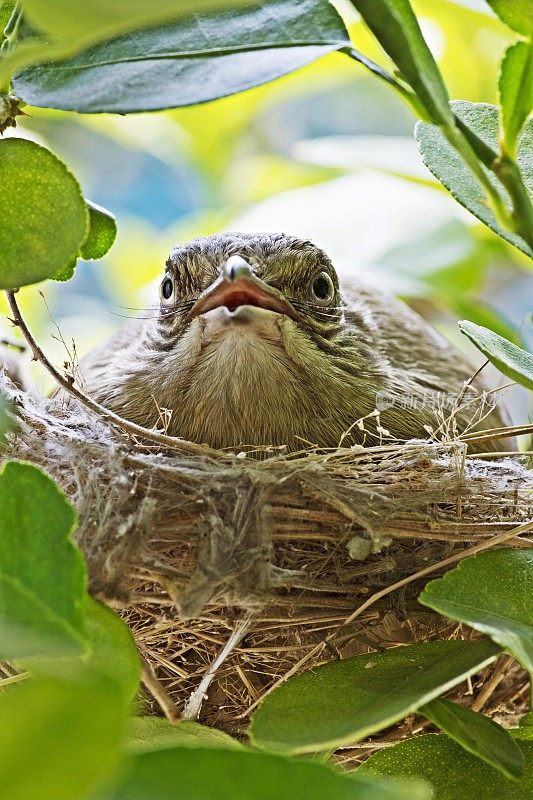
(326, 153)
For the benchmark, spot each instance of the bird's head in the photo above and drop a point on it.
(258, 284)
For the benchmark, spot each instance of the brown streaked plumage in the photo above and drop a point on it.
(255, 344)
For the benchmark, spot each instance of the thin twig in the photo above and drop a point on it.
(194, 703)
(69, 385)
(157, 690)
(490, 687)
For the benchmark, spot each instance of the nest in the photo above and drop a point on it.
(234, 573)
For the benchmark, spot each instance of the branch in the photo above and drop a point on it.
(110, 417)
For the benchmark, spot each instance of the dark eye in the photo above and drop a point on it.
(322, 287)
(167, 288)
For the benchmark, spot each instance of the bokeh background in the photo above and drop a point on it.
(326, 153)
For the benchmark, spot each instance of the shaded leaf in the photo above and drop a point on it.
(155, 733)
(42, 573)
(58, 738)
(478, 734)
(516, 91)
(345, 701)
(492, 592)
(446, 164)
(101, 235)
(514, 362)
(452, 771)
(517, 14)
(199, 774)
(44, 217)
(395, 26)
(199, 58)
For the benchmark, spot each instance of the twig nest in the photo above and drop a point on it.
(233, 572)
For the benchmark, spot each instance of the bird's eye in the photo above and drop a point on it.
(323, 287)
(167, 288)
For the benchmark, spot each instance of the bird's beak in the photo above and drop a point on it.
(238, 286)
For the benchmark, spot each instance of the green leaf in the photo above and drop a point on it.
(453, 773)
(44, 217)
(492, 592)
(113, 653)
(198, 58)
(447, 165)
(58, 739)
(516, 91)
(155, 733)
(101, 235)
(395, 26)
(42, 574)
(214, 774)
(479, 735)
(345, 701)
(6, 9)
(514, 362)
(517, 14)
(67, 272)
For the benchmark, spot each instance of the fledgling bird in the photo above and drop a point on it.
(254, 344)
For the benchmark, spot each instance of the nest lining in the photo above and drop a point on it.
(234, 573)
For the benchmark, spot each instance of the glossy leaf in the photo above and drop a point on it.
(516, 91)
(198, 58)
(101, 235)
(452, 771)
(156, 733)
(517, 14)
(44, 217)
(492, 592)
(478, 734)
(42, 574)
(514, 362)
(58, 738)
(395, 26)
(445, 163)
(214, 774)
(345, 701)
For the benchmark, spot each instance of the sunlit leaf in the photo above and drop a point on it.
(42, 574)
(492, 592)
(198, 774)
(101, 235)
(156, 733)
(395, 26)
(44, 217)
(452, 771)
(478, 734)
(190, 61)
(345, 701)
(518, 14)
(514, 362)
(445, 163)
(516, 91)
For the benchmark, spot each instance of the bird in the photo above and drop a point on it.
(255, 346)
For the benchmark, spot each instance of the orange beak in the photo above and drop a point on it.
(238, 286)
